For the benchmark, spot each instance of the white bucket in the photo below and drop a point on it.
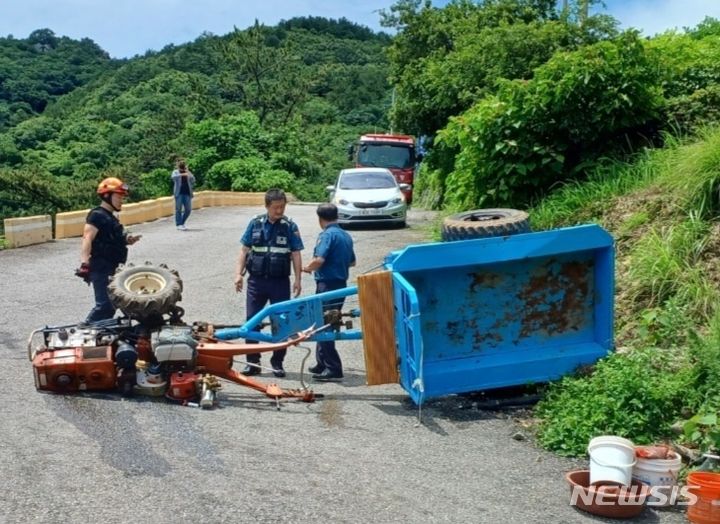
(611, 459)
(659, 472)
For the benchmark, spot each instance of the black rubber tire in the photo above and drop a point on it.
(483, 223)
(145, 291)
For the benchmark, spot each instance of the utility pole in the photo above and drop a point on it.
(392, 105)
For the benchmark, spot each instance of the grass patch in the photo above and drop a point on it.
(694, 176)
(665, 264)
(635, 395)
(592, 199)
(633, 223)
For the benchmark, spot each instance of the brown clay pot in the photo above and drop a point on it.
(607, 500)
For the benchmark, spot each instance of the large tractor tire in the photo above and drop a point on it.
(145, 291)
(483, 223)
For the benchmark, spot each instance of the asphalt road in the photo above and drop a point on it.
(357, 455)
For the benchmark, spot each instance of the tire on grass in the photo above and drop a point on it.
(483, 223)
(145, 291)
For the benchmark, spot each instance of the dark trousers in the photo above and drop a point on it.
(325, 353)
(260, 291)
(183, 207)
(103, 307)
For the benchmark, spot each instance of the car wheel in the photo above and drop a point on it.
(145, 291)
(483, 223)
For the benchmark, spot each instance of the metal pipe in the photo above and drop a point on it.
(309, 308)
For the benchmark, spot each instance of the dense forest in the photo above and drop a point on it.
(511, 96)
(256, 108)
(519, 98)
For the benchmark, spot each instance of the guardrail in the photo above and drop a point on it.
(26, 231)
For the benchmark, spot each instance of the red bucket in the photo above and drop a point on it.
(706, 487)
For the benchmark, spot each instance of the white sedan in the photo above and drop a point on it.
(369, 195)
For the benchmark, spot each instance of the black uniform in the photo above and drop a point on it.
(109, 250)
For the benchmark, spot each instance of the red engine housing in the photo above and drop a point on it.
(183, 385)
(75, 369)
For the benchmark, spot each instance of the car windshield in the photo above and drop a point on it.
(385, 155)
(367, 181)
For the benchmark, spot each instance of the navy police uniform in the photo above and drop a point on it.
(269, 264)
(335, 246)
(109, 250)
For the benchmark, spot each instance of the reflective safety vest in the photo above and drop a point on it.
(270, 257)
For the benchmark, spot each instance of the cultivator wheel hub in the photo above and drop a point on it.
(145, 283)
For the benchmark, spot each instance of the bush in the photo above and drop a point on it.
(265, 180)
(532, 134)
(156, 183)
(692, 112)
(309, 192)
(685, 63)
(231, 135)
(202, 161)
(221, 174)
(638, 395)
(248, 174)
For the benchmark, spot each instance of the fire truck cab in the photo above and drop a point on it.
(394, 152)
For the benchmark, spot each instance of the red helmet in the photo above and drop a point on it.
(112, 185)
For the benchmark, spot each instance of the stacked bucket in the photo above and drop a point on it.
(612, 459)
(658, 467)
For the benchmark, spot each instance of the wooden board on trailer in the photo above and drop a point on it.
(375, 294)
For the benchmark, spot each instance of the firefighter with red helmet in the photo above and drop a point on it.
(104, 245)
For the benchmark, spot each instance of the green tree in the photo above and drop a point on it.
(291, 96)
(269, 80)
(443, 60)
(514, 145)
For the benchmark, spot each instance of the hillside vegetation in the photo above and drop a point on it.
(41, 68)
(662, 210)
(256, 108)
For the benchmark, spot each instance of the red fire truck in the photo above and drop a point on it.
(394, 152)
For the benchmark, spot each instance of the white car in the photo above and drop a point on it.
(369, 195)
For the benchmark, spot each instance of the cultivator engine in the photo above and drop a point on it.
(179, 362)
(150, 351)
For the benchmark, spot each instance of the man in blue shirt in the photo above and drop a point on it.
(332, 258)
(271, 245)
(183, 184)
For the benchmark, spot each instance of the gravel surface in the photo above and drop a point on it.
(357, 455)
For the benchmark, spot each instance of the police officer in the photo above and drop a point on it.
(104, 245)
(271, 245)
(332, 258)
